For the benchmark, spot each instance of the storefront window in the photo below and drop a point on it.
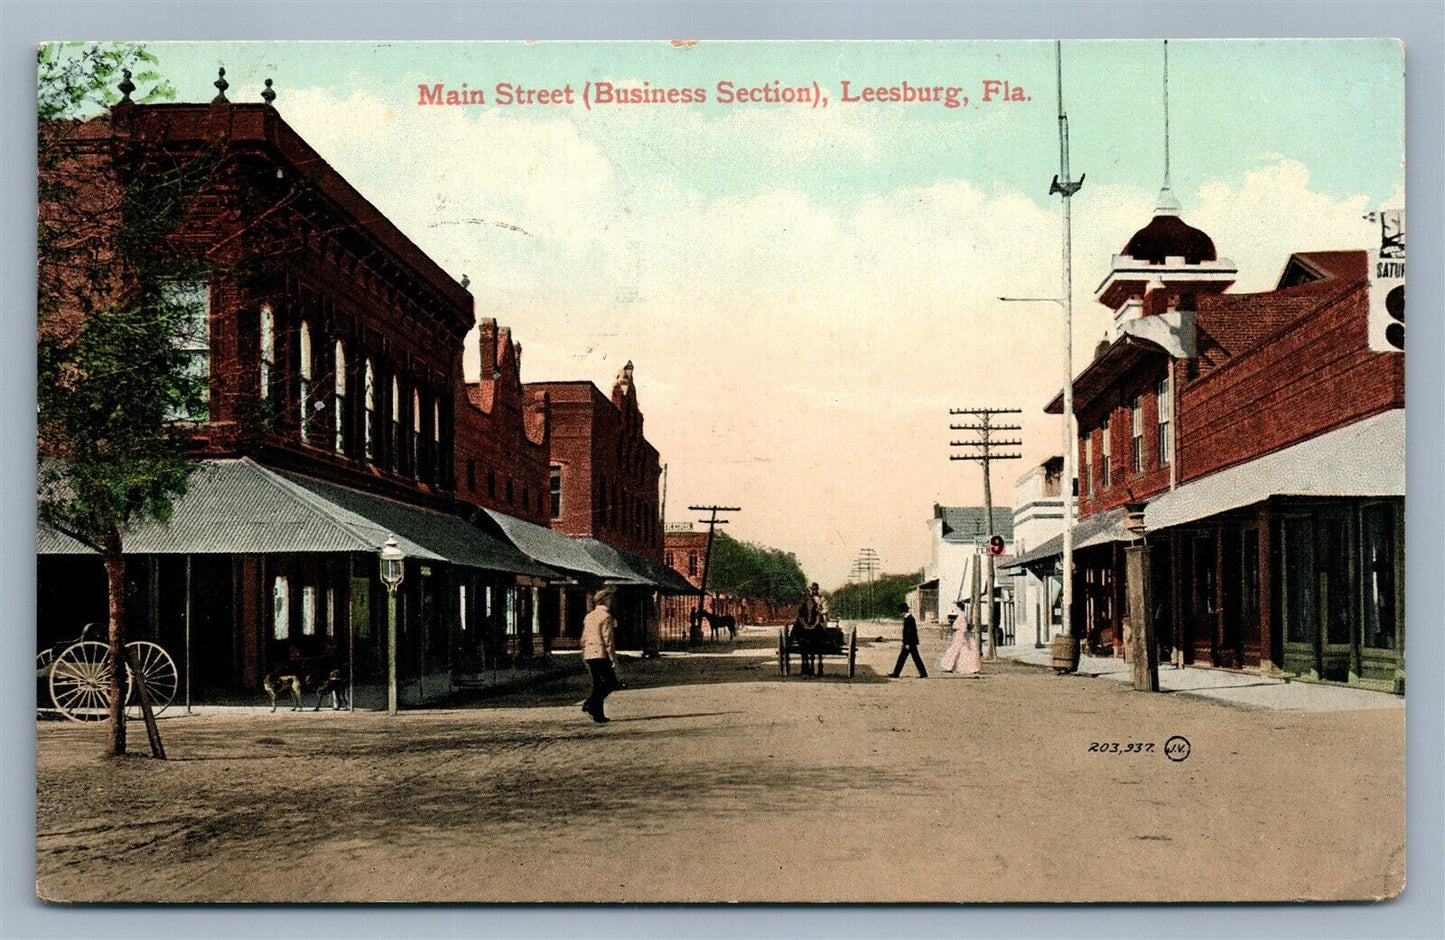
(1299, 566)
(1338, 588)
(280, 608)
(1378, 564)
(308, 611)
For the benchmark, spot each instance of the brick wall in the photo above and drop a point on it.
(1314, 375)
(1124, 484)
(1273, 369)
(610, 473)
(503, 455)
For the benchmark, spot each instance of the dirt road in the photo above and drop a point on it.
(719, 781)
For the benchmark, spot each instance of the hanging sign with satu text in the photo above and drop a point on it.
(1387, 283)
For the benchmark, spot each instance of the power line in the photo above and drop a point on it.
(984, 445)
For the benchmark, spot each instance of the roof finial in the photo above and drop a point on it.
(268, 95)
(1167, 203)
(126, 85)
(221, 86)
(466, 282)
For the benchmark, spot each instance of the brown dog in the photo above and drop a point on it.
(276, 685)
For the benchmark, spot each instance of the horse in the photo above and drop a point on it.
(721, 622)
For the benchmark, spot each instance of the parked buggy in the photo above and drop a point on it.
(73, 676)
(816, 644)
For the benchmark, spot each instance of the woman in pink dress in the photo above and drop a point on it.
(962, 654)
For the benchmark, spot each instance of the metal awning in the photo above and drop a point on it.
(553, 550)
(1363, 459)
(240, 507)
(450, 537)
(1099, 529)
(637, 570)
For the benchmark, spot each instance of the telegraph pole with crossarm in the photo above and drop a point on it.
(695, 633)
(984, 445)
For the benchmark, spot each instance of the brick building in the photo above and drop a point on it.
(1266, 437)
(337, 414)
(603, 491)
(684, 549)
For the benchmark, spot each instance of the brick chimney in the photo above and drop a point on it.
(487, 347)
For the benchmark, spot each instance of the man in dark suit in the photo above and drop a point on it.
(910, 647)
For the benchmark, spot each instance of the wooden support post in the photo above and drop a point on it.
(1116, 597)
(1177, 567)
(1219, 650)
(1266, 600)
(1143, 652)
(158, 750)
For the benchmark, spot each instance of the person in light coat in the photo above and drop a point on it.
(599, 651)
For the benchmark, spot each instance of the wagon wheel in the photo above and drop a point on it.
(785, 665)
(80, 681)
(43, 661)
(157, 670)
(852, 651)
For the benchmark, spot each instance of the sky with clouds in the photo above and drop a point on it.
(805, 292)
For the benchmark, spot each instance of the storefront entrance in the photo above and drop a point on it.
(1341, 592)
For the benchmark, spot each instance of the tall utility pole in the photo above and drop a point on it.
(985, 443)
(866, 564)
(1066, 187)
(695, 633)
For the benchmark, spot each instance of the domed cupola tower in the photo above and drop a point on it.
(1167, 262)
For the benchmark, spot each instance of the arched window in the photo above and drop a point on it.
(395, 442)
(438, 463)
(341, 416)
(304, 402)
(268, 350)
(369, 396)
(417, 470)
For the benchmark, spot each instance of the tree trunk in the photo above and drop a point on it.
(110, 546)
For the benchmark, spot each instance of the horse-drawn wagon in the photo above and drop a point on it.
(74, 675)
(812, 645)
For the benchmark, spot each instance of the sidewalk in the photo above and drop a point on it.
(1238, 689)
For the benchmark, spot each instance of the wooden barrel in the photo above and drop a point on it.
(1064, 653)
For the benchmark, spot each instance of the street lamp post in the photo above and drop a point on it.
(391, 574)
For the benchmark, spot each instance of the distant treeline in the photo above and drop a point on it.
(888, 594)
(745, 569)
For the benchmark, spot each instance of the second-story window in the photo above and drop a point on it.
(555, 486)
(1136, 433)
(438, 466)
(268, 350)
(1163, 395)
(692, 563)
(394, 445)
(191, 301)
(511, 492)
(304, 424)
(1089, 466)
(368, 431)
(1106, 452)
(340, 417)
(417, 470)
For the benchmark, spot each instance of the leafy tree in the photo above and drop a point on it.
(113, 378)
(888, 595)
(745, 569)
